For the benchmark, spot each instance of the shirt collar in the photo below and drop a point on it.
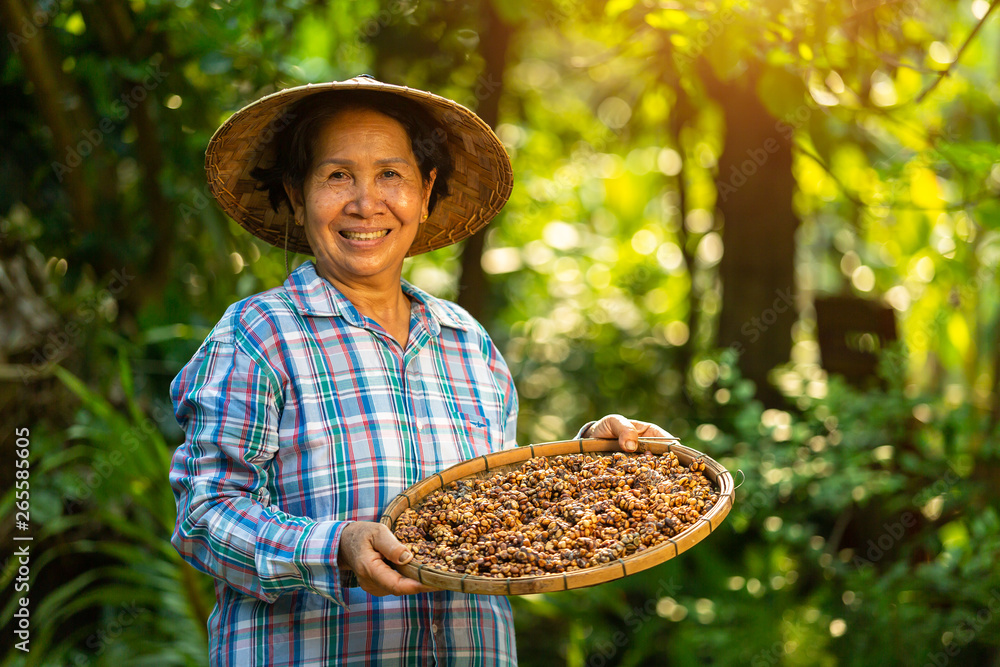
(313, 295)
(434, 311)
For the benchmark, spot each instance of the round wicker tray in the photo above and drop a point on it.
(514, 458)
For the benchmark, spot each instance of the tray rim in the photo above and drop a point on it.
(547, 583)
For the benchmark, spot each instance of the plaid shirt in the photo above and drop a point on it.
(301, 415)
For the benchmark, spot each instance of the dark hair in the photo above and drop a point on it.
(293, 144)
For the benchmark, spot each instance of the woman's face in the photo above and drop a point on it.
(363, 199)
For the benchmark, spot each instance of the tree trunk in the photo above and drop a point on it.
(42, 65)
(118, 36)
(474, 291)
(755, 186)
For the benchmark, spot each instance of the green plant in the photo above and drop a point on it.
(102, 500)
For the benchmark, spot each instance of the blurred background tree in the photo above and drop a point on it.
(771, 227)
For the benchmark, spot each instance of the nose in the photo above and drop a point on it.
(366, 199)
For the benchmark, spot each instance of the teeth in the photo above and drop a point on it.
(364, 236)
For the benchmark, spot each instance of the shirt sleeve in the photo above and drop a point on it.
(583, 429)
(510, 420)
(229, 407)
(505, 384)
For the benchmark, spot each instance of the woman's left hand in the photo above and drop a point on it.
(628, 431)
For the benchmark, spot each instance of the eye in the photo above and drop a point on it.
(338, 175)
(390, 173)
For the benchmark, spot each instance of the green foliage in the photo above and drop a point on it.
(101, 497)
(855, 539)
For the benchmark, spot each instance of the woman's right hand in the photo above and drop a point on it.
(364, 548)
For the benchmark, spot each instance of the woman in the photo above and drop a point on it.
(313, 404)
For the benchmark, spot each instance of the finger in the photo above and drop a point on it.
(648, 430)
(373, 580)
(610, 426)
(616, 426)
(392, 582)
(387, 545)
(372, 588)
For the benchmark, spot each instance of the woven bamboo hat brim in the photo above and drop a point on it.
(479, 186)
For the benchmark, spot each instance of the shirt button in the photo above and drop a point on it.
(434, 628)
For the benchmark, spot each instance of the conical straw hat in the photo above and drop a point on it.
(479, 186)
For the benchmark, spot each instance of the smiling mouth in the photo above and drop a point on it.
(363, 236)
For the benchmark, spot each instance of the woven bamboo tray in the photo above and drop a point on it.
(509, 459)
